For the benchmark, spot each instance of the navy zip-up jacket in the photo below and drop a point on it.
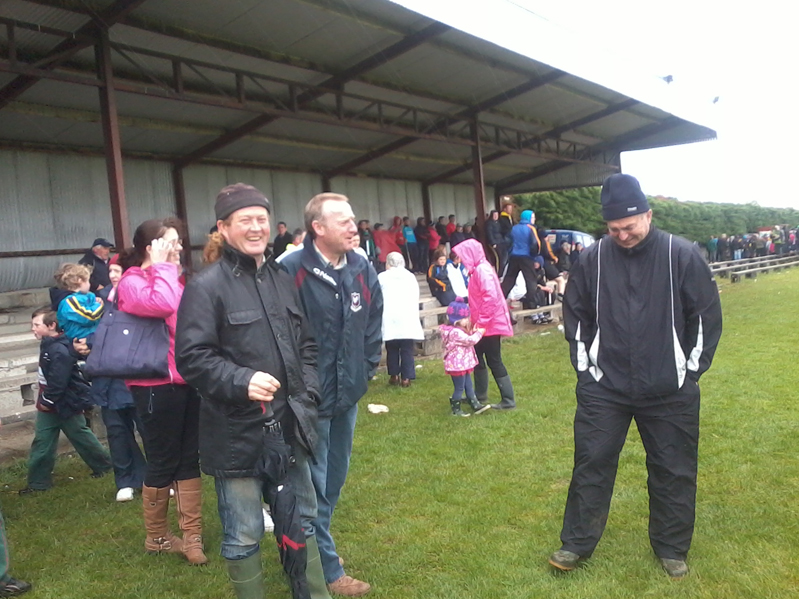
(345, 311)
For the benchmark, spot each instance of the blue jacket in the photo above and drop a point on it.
(345, 310)
(529, 240)
(79, 314)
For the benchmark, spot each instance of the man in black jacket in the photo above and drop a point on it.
(242, 341)
(282, 240)
(97, 258)
(342, 299)
(643, 320)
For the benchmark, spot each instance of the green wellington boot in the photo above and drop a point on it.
(314, 572)
(247, 577)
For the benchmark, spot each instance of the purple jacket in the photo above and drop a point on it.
(459, 354)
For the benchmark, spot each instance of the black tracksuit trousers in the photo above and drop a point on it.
(669, 429)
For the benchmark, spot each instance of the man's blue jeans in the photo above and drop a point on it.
(239, 504)
(329, 473)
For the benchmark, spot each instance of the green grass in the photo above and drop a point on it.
(444, 507)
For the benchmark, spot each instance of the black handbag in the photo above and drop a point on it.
(129, 347)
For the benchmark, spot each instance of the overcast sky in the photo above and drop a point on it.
(744, 53)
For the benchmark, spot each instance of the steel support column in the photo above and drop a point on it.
(182, 213)
(112, 144)
(426, 208)
(479, 182)
(326, 185)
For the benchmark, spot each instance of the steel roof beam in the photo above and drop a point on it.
(470, 112)
(551, 134)
(507, 138)
(336, 81)
(615, 145)
(69, 47)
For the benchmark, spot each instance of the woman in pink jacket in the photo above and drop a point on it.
(490, 312)
(169, 409)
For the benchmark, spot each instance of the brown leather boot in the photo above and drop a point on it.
(188, 496)
(159, 539)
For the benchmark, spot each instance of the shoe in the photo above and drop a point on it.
(99, 474)
(269, 525)
(11, 587)
(349, 587)
(394, 380)
(246, 576)
(506, 394)
(125, 494)
(405, 383)
(455, 404)
(563, 560)
(159, 538)
(477, 407)
(30, 491)
(675, 568)
(188, 498)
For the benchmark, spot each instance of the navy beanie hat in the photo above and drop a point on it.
(622, 197)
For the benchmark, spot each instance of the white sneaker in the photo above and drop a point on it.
(125, 494)
(269, 526)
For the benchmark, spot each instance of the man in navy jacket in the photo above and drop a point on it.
(343, 302)
(643, 319)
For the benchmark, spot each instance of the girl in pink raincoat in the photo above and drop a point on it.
(459, 339)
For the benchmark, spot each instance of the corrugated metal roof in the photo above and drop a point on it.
(399, 100)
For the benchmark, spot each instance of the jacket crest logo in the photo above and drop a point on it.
(355, 304)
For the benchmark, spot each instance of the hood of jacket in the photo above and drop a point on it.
(471, 254)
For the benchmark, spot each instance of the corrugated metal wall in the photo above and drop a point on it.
(448, 198)
(380, 200)
(61, 201)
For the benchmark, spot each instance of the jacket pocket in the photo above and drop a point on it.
(244, 317)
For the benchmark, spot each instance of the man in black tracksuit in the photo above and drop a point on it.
(643, 320)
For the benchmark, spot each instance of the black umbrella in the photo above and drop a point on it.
(278, 493)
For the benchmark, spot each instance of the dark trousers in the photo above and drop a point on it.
(399, 358)
(489, 352)
(49, 426)
(170, 416)
(516, 265)
(462, 383)
(129, 463)
(669, 429)
(502, 258)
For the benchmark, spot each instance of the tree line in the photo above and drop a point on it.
(580, 210)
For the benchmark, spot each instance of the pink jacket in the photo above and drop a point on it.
(459, 354)
(486, 300)
(154, 292)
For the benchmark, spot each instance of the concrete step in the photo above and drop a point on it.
(27, 357)
(24, 298)
(16, 316)
(18, 396)
(15, 328)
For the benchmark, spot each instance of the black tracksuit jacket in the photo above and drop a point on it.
(641, 320)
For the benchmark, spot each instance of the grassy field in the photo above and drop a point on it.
(444, 507)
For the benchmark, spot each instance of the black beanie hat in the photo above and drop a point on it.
(238, 196)
(622, 197)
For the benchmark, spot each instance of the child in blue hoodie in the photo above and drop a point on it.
(79, 312)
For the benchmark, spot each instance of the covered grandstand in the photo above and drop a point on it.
(112, 112)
